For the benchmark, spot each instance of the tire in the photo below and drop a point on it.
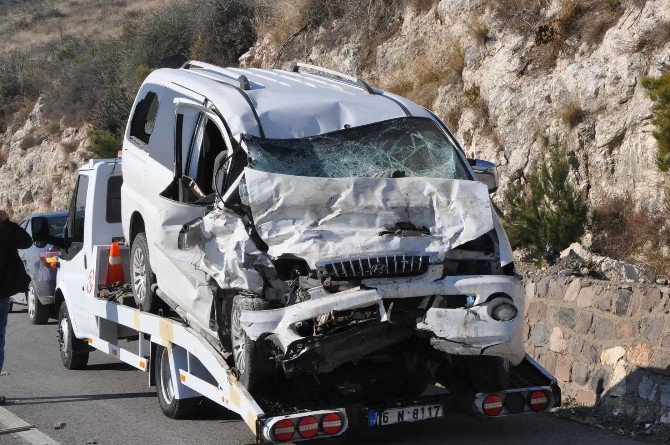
(37, 312)
(142, 276)
(489, 374)
(254, 368)
(73, 351)
(171, 406)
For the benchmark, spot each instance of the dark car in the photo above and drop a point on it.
(40, 263)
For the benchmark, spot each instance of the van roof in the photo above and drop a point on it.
(284, 104)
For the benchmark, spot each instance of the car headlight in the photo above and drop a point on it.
(504, 311)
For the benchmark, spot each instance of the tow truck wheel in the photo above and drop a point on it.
(171, 406)
(489, 374)
(142, 275)
(37, 312)
(254, 367)
(73, 351)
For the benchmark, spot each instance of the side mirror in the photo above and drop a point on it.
(39, 226)
(485, 172)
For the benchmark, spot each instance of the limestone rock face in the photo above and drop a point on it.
(41, 161)
(522, 104)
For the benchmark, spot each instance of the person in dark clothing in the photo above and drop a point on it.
(13, 276)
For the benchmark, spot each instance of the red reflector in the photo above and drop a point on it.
(331, 423)
(284, 430)
(308, 426)
(492, 405)
(538, 401)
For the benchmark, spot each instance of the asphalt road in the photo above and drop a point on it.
(111, 403)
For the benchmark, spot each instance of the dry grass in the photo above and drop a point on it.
(421, 78)
(3, 157)
(522, 16)
(33, 24)
(471, 95)
(422, 5)
(280, 19)
(480, 31)
(570, 111)
(452, 118)
(623, 232)
(29, 140)
(69, 146)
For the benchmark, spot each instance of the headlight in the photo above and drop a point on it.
(504, 311)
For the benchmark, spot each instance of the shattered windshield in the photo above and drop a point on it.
(394, 148)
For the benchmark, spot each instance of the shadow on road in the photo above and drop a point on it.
(113, 366)
(80, 398)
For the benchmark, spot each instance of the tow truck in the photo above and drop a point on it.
(186, 364)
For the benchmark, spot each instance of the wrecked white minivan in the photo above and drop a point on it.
(318, 226)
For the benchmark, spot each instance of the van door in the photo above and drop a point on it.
(75, 261)
(200, 137)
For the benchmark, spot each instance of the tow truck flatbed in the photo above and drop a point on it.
(187, 364)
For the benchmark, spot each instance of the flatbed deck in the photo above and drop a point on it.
(201, 369)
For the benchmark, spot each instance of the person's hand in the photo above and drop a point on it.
(3, 216)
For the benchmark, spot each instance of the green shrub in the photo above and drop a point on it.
(160, 39)
(224, 31)
(659, 90)
(547, 209)
(105, 144)
(317, 12)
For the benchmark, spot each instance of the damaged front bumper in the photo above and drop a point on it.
(462, 328)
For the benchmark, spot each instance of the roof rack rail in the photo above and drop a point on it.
(243, 80)
(295, 67)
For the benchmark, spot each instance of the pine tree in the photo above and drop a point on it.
(547, 209)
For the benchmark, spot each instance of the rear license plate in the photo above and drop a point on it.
(406, 414)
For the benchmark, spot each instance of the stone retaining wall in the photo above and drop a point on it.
(608, 344)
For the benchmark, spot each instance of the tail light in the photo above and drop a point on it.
(308, 427)
(492, 405)
(331, 423)
(538, 400)
(49, 258)
(284, 430)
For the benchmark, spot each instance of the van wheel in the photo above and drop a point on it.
(253, 365)
(489, 374)
(171, 406)
(37, 312)
(142, 275)
(73, 351)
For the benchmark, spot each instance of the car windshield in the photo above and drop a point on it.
(57, 225)
(394, 148)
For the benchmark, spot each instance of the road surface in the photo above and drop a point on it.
(110, 403)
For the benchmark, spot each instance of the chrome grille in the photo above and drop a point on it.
(379, 266)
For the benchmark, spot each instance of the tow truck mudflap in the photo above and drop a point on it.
(532, 390)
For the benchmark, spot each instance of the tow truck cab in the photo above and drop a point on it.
(94, 219)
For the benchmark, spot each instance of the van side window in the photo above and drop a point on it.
(113, 211)
(200, 164)
(78, 211)
(144, 119)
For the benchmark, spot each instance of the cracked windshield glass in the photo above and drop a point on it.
(395, 148)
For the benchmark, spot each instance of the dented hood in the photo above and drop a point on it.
(319, 219)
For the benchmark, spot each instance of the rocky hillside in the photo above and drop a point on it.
(509, 77)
